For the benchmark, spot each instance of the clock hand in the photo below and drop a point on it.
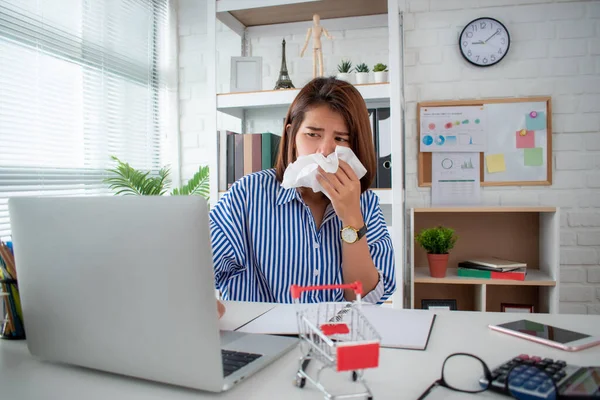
(495, 33)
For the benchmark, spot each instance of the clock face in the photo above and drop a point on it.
(349, 235)
(484, 42)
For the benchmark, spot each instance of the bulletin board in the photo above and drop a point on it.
(519, 141)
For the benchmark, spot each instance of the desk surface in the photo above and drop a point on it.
(402, 374)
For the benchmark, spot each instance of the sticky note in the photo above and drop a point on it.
(534, 157)
(525, 141)
(535, 121)
(495, 163)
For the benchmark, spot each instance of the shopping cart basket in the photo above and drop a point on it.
(338, 336)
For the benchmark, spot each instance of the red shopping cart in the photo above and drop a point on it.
(338, 336)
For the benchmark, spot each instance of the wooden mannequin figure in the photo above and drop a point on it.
(317, 30)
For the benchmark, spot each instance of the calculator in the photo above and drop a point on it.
(531, 383)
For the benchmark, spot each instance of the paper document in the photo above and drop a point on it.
(404, 329)
(460, 128)
(455, 179)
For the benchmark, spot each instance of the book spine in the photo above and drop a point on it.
(230, 159)
(248, 154)
(266, 150)
(239, 156)
(256, 152)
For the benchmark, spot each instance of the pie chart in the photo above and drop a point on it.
(440, 140)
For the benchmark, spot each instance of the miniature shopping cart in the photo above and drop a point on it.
(338, 336)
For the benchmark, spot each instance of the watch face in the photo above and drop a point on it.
(484, 42)
(349, 235)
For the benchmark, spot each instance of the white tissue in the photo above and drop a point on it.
(303, 172)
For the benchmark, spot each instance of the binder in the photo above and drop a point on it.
(384, 148)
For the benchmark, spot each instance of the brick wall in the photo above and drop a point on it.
(555, 51)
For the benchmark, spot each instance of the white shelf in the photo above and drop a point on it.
(235, 103)
(534, 278)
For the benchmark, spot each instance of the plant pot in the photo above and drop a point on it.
(362, 78)
(381, 76)
(438, 264)
(344, 77)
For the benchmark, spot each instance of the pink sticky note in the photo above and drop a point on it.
(527, 141)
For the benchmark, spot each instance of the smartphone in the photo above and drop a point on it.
(549, 335)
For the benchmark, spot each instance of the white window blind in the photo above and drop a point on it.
(80, 81)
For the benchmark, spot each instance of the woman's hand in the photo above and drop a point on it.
(220, 308)
(343, 188)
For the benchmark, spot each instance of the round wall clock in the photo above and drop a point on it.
(484, 42)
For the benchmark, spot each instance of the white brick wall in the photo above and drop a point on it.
(554, 51)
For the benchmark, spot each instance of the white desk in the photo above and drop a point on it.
(402, 374)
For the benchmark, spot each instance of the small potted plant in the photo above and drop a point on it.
(438, 242)
(380, 73)
(344, 69)
(362, 73)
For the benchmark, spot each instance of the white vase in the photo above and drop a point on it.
(362, 78)
(381, 76)
(344, 76)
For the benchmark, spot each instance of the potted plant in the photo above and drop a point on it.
(344, 69)
(126, 180)
(380, 73)
(438, 242)
(362, 73)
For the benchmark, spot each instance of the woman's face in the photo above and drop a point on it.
(321, 131)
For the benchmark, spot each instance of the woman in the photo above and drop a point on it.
(266, 238)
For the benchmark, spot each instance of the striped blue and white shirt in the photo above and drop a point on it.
(264, 239)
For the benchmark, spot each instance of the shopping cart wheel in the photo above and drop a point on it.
(300, 381)
(354, 376)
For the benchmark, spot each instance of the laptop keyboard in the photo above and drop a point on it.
(234, 360)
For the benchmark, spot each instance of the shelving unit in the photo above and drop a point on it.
(235, 103)
(526, 234)
(258, 18)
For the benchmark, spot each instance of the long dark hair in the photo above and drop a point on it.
(342, 98)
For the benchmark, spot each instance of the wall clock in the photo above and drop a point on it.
(484, 42)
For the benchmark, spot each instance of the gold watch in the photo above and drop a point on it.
(351, 235)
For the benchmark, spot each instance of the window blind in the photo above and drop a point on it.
(80, 81)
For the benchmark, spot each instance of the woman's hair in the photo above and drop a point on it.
(343, 98)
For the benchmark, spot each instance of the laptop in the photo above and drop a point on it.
(125, 284)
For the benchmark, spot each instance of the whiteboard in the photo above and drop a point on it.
(518, 134)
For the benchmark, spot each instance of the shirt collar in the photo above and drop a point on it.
(284, 196)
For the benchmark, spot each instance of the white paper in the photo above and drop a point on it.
(453, 129)
(407, 329)
(303, 171)
(455, 179)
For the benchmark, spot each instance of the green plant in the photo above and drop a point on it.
(345, 67)
(126, 180)
(437, 240)
(379, 67)
(362, 68)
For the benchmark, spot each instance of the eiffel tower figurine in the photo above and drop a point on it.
(284, 81)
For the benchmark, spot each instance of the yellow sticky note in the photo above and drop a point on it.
(495, 163)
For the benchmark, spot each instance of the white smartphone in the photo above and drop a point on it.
(549, 335)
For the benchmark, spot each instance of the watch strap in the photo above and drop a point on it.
(362, 232)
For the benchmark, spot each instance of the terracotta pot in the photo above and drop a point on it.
(438, 263)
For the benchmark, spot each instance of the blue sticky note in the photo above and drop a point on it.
(535, 121)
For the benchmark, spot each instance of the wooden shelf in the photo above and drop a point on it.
(484, 209)
(235, 103)
(534, 278)
(250, 15)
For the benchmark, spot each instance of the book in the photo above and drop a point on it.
(479, 273)
(496, 263)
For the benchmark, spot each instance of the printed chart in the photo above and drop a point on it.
(453, 129)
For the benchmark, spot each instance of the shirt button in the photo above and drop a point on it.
(317, 272)
(316, 245)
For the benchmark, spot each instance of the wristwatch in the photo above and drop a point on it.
(351, 235)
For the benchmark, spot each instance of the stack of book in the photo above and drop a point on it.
(492, 268)
(241, 154)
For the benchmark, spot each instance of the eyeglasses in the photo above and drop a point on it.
(467, 373)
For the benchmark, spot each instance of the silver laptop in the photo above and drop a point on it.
(125, 284)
